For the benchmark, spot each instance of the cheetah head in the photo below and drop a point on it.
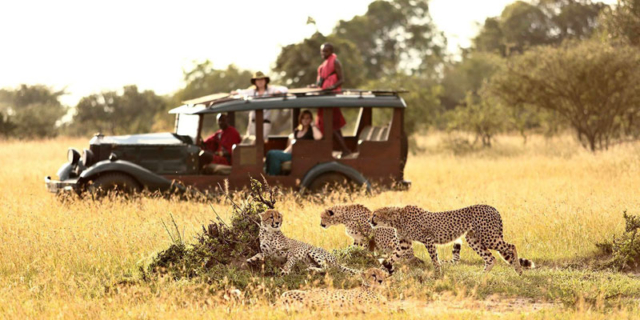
(374, 277)
(384, 217)
(342, 213)
(271, 219)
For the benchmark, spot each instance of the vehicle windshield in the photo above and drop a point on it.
(187, 125)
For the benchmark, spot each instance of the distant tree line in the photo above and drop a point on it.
(541, 66)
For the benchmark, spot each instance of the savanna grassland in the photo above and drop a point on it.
(65, 258)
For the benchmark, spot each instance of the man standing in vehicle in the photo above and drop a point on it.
(331, 78)
(222, 141)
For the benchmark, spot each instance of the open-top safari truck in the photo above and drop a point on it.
(168, 161)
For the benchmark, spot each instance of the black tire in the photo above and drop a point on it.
(118, 183)
(330, 180)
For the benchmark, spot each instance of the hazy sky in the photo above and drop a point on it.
(89, 46)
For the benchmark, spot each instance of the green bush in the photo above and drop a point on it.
(624, 250)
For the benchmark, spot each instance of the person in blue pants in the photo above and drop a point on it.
(306, 130)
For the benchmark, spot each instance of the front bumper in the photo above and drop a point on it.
(55, 186)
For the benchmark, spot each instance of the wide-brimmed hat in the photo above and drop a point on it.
(259, 75)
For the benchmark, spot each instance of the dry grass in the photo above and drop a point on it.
(62, 258)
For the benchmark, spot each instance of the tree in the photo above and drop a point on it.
(393, 35)
(572, 19)
(623, 22)
(479, 115)
(204, 79)
(594, 86)
(467, 76)
(117, 113)
(297, 64)
(422, 99)
(523, 25)
(30, 111)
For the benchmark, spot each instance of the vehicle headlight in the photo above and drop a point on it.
(87, 158)
(73, 156)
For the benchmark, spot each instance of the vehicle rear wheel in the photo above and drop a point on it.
(330, 180)
(117, 183)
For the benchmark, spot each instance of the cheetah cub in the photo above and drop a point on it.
(481, 225)
(357, 220)
(274, 244)
(372, 280)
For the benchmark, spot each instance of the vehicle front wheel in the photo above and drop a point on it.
(117, 183)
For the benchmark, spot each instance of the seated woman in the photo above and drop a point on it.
(306, 130)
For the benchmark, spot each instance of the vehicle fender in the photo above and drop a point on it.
(146, 178)
(334, 166)
(64, 172)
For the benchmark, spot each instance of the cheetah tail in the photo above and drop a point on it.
(527, 264)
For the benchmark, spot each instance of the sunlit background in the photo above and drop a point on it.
(90, 46)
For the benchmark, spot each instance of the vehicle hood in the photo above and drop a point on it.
(164, 138)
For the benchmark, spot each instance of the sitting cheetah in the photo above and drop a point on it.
(480, 224)
(357, 220)
(274, 244)
(372, 280)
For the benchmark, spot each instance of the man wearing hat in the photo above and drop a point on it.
(260, 88)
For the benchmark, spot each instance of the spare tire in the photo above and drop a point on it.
(118, 183)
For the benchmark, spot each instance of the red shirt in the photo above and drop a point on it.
(222, 140)
(327, 71)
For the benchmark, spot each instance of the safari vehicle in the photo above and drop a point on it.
(170, 161)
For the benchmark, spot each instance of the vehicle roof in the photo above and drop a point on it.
(295, 99)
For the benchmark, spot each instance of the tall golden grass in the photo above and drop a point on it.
(61, 258)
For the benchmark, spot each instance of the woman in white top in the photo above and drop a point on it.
(260, 88)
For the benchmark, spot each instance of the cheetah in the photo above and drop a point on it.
(480, 224)
(274, 244)
(357, 220)
(372, 280)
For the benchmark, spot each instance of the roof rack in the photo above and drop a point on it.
(304, 92)
(216, 98)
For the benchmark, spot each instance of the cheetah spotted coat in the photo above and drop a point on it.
(274, 244)
(357, 221)
(367, 294)
(481, 225)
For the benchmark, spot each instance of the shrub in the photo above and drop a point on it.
(624, 250)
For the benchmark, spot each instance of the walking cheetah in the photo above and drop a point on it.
(372, 280)
(480, 224)
(274, 244)
(357, 220)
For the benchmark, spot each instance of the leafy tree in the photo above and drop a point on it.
(467, 76)
(392, 35)
(30, 111)
(522, 25)
(490, 38)
(623, 21)
(594, 86)
(297, 64)
(422, 99)
(204, 79)
(479, 115)
(572, 19)
(111, 112)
